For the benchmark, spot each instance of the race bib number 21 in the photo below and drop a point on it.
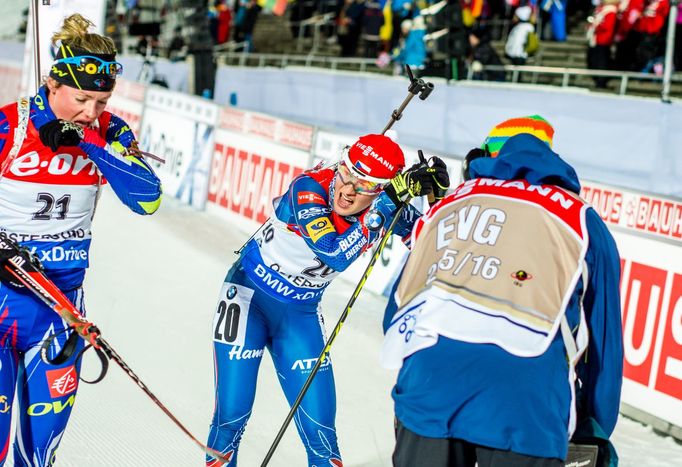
(229, 321)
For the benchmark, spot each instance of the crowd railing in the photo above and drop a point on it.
(515, 73)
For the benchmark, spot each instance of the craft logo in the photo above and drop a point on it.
(62, 381)
(310, 197)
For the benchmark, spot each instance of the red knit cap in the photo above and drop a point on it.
(376, 157)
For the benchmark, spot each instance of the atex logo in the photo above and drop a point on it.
(307, 364)
(62, 381)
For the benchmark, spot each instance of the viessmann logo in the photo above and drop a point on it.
(310, 197)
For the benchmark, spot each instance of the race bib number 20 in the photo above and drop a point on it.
(229, 321)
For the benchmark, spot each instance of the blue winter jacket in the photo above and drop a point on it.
(484, 395)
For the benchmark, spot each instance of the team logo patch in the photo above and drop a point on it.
(521, 275)
(305, 197)
(318, 228)
(374, 220)
(231, 292)
(62, 381)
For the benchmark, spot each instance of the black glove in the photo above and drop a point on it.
(420, 180)
(415, 181)
(474, 154)
(441, 179)
(8, 250)
(58, 132)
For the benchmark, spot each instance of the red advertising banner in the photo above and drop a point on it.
(247, 174)
(648, 232)
(652, 312)
(296, 135)
(659, 216)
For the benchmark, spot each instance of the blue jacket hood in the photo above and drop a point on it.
(525, 157)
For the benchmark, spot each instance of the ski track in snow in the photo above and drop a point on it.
(152, 290)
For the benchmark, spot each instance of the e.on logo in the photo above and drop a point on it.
(652, 328)
(246, 183)
(67, 168)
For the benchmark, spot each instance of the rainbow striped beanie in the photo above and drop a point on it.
(534, 125)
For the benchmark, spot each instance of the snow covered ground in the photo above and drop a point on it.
(152, 290)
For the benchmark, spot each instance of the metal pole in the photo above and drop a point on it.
(36, 43)
(669, 49)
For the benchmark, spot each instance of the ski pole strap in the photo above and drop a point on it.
(67, 352)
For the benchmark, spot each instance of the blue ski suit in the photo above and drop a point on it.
(47, 201)
(271, 298)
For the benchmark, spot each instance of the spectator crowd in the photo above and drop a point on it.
(451, 38)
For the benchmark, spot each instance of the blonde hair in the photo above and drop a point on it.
(75, 33)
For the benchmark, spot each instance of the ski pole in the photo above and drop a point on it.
(417, 86)
(333, 335)
(40, 285)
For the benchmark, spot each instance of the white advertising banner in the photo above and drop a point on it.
(10, 84)
(181, 129)
(127, 102)
(648, 231)
(328, 145)
(50, 20)
(255, 158)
